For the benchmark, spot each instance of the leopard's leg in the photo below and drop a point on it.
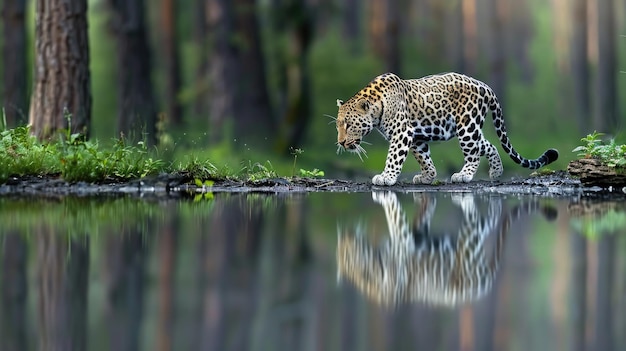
(399, 145)
(421, 152)
(495, 163)
(470, 143)
(425, 209)
(397, 223)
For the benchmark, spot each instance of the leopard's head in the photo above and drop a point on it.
(356, 118)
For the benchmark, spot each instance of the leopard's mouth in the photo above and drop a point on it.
(351, 145)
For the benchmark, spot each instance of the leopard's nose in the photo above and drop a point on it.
(342, 143)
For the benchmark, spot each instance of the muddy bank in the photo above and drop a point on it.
(559, 184)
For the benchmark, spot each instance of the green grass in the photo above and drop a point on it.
(73, 158)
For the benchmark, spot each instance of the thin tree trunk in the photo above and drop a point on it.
(384, 31)
(14, 98)
(351, 11)
(13, 293)
(580, 65)
(519, 27)
(62, 86)
(200, 105)
(561, 22)
(223, 66)
(497, 53)
(63, 268)
(293, 66)
(298, 112)
(470, 41)
(455, 36)
(173, 108)
(254, 118)
(605, 118)
(136, 106)
(392, 55)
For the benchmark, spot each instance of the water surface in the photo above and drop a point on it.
(326, 271)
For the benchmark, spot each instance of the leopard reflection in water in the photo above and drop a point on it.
(412, 265)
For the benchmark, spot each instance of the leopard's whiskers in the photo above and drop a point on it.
(360, 151)
(339, 148)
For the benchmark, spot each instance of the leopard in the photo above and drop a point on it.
(411, 113)
(416, 264)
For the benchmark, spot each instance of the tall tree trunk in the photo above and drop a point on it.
(470, 41)
(293, 69)
(62, 84)
(351, 11)
(223, 66)
(136, 106)
(561, 24)
(63, 266)
(14, 61)
(298, 113)
(13, 293)
(580, 65)
(605, 116)
(200, 38)
(254, 117)
(519, 27)
(173, 108)
(384, 31)
(455, 35)
(497, 54)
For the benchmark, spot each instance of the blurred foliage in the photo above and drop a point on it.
(612, 222)
(537, 111)
(77, 216)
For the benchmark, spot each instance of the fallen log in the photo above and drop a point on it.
(593, 172)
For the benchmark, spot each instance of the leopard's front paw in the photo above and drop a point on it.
(495, 173)
(461, 177)
(384, 179)
(423, 179)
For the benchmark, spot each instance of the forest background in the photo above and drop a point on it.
(234, 81)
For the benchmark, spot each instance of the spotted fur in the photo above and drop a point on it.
(412, 113)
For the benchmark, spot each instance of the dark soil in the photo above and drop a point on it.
(558, 184)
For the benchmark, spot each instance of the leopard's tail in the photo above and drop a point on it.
(546, 158)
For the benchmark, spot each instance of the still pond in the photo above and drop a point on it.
(321, 271)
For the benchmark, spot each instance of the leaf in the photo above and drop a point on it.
(198, 182)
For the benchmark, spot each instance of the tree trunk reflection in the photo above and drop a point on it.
(124, 272)
(13, 291)
(63, 266)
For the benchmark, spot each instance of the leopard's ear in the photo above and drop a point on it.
(363, 104)
(339, 103)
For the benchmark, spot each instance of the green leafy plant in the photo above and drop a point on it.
(311, 174)
(611, 154)
(295, 153)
